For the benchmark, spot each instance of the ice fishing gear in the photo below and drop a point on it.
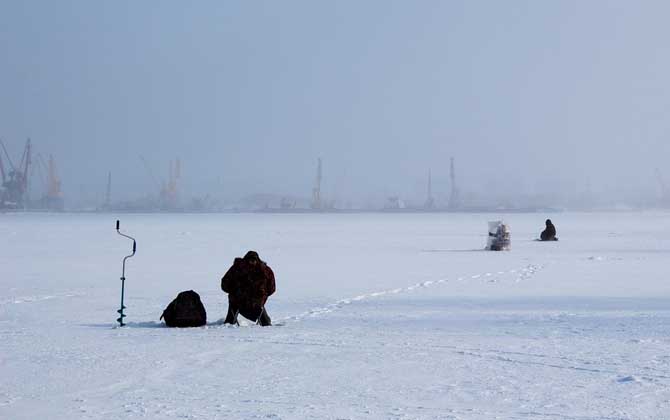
(123, 274)
(499, 238)
(259, 320)
(186, 310)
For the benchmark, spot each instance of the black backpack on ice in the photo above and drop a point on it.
(186, 310)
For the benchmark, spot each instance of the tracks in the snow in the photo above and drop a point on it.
(524, 273)
(40, 298)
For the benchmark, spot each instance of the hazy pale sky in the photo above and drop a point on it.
(525, 94)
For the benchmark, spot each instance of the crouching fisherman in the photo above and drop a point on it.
(549, 233)
(249, 283)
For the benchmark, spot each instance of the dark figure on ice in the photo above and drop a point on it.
(548, 234)
(248, 283)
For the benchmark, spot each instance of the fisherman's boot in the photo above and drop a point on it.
(231, 317)
(264, 319)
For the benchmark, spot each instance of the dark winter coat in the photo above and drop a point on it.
(549, 233)
(248, 286)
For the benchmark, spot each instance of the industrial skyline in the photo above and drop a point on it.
(34, 184)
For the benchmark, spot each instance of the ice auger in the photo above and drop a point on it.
(123, 275)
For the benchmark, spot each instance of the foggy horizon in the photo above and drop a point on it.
(563, 100)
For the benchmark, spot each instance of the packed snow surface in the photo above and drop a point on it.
(381, 316)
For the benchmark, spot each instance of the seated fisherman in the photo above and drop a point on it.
(500, 240)
(248, 283)
(548, 234)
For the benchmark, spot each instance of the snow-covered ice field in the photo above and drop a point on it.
(385, 316)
